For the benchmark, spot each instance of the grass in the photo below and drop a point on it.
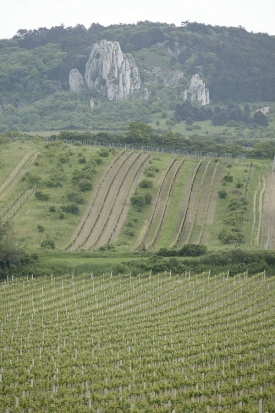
(35, 222)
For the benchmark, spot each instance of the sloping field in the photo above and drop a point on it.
(184, 203)
(17, 173)
(111, 196)
(162, 343)
(269, 211)
(160, 203)
(194, 200)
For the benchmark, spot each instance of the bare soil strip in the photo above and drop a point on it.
(254, 219)
(88, 217)
(186, 194)
(167, 202)
(212, 204)
(203, 204)
(191, 209)
(13, 209)
(159, 203)
(260, 212)
(268, 222)
(113, 202)
(131, 189)
(18, 172)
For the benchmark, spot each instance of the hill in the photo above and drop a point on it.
(235, 65)
(84, 197)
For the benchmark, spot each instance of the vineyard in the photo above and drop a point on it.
(162, 343)
(84, 198)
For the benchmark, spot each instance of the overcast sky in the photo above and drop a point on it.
(253, 15)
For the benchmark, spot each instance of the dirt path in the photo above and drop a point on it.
(268, 224)
(212, 205)
(252, 236)
(13, 209)
(18, 172)
(160, 202)
(167, 202)
(131, 189)
(260, 212)
(104, 209)
(202, 205)
(191, 208)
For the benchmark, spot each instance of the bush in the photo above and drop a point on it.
(40, 228)
(75, 197)
(41, 197)
(192, 250)
(222, 194)
(53, 183)
(137, 201)
(84, 185)
(146, 184)
(147, 198)
(72, 209)
(82, 160)
(228, 178)
(52, 208)
(48, 243)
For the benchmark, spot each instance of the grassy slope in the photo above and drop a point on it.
(48, 163)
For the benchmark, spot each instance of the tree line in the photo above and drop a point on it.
(230, 114)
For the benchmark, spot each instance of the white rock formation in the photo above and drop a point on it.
(197, 91)
(76, 81)
(111, 72)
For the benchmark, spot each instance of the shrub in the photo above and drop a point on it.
(129, 232)
(137, 201)
(72, 209)
(193, 250)
(82, 160)
(75, 197)
(104, 153)
(147, 198)
(40, 228)
(52, 208)
(84, 185)
(48, 243)
(61, 215)
(53, 183)
(222, 194)
(228, 178)
(41, 196)
(146, 184)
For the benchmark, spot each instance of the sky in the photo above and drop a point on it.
(254, 15)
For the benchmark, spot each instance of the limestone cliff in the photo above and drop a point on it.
(111, 72)
(76, 81)
(197, 91)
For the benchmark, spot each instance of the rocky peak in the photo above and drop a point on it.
(197, 91)
(111, 72)
(76, 81)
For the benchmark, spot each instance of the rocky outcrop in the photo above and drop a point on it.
(111, 72)
(76, 81)
(197, 91)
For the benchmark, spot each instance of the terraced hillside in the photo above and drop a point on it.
(86, 198)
